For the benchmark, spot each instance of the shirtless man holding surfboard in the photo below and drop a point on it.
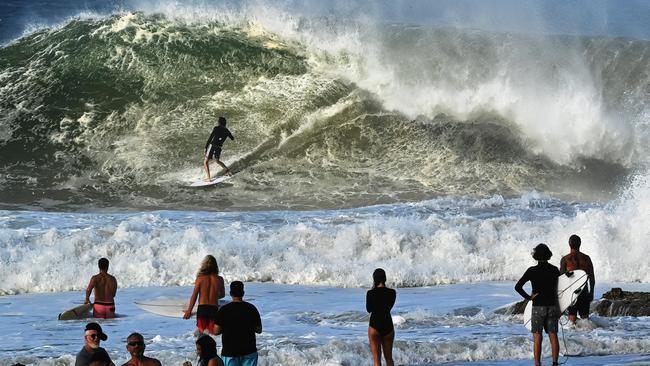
(571, 262)
(209, 288)
(105, 287)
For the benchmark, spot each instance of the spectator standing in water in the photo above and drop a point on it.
(381, 334)
(237, 322)
(213, 147)
(546, 312)
(209, 288)
(578, 260)
(105, 287)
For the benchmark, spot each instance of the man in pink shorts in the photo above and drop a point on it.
(105, 287)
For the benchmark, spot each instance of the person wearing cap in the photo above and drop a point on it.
(546, 312)
(237, 322)
(135, 346)
(105, 287)
(578, 260)
(93, 335)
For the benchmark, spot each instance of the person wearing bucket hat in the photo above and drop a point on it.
(93, 335)
(543, 279)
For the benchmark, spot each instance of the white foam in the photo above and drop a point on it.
(435, 246)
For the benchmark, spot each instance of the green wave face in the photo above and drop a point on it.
(115, 113)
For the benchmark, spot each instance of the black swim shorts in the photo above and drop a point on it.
(213, 152)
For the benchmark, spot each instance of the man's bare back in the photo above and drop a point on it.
(209, 289)
(105, 287)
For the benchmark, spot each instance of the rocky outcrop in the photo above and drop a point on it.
(512, 309)
(617, 302)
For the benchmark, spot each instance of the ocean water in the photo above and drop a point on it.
(440, 141)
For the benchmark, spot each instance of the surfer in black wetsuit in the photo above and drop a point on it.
(543, 279)
(213, 147)
(379, 301)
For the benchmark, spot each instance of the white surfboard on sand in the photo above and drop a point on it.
(211, 182)
(569, 286)
(78, 312)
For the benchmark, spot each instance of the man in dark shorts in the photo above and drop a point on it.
(213, 147)
(93, 335)
(578, 260)
(237, 322)
(546, 312)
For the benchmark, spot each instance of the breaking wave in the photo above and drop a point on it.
(113, 112)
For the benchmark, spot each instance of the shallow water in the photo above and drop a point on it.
(451, 324)
(509, 123)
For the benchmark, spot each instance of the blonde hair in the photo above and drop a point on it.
(208, 266)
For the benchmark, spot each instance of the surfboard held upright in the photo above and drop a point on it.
(569, 286)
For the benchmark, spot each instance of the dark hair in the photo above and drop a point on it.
(103, 264)
(574, 241)
(208, 347)
(542, 253)
(237, 288)
(135, 335)
(222, 121)
(378, 277)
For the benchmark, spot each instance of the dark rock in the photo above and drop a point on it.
(516, 308)
(467, 311)
(617, 302)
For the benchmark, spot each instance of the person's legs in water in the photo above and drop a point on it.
(555, 347)
(387, 347)
(551, 328)
(583, 304)
(537, 347)
(375, 345)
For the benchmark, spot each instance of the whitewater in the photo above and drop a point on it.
(439, 141)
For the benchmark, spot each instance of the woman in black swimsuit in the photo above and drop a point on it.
(379, 301)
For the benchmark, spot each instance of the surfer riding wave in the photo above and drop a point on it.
(213, 148)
